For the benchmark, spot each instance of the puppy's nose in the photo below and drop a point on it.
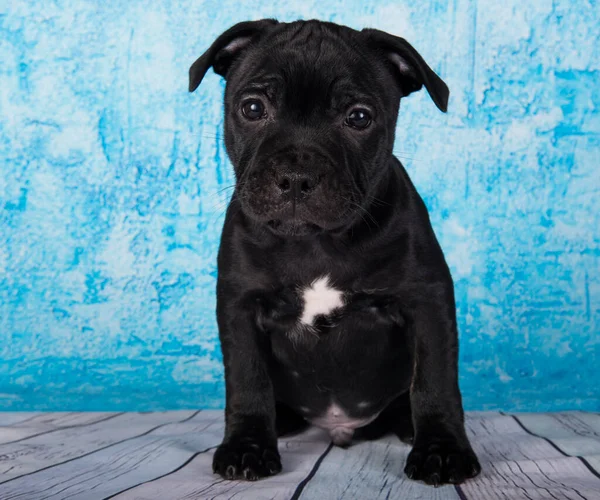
(297, 184)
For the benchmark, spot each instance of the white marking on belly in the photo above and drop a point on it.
(340, 426)
(363, 404)
(320, 298)
(341, 436)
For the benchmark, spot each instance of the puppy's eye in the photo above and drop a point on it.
(253, 109)
(359, 118)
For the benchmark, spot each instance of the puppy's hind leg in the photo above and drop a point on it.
(402, 424)
(396, 419)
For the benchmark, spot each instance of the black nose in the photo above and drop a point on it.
(297, 184)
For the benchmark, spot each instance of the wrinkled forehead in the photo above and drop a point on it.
(318, 71)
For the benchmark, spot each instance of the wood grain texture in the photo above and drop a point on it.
(371, 470)
(167, 456)
(299, 454)
(53, 448)
(42, 423)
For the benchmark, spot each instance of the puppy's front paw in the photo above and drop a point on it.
(246, 458)
(439, 461)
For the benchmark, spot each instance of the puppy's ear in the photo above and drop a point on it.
(226, 48)
(412, 69)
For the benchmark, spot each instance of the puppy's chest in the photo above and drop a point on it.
(320, 299)
(339, 355)
(322, 306)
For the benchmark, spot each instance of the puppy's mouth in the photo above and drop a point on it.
(293, 227)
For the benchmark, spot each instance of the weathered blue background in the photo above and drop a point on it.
(111, 198)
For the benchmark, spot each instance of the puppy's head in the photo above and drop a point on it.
(310, 115)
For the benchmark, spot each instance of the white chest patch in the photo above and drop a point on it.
(320, 298)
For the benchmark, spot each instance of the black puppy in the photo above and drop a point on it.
(334, 302)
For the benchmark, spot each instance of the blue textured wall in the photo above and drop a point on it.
(111, 198)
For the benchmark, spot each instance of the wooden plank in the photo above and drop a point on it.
(51, 448)
(531, 479)
(8, 418)
(41, 423)
(122, 465)
(590, 419)
(169, 455)
(370, 470)
(196, 480)
(517, 465)
(574, 433)
(571, 432)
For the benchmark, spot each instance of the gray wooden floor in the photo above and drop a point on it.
(168, 456)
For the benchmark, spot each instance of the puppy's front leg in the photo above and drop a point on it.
(249, 449)
(441, 452)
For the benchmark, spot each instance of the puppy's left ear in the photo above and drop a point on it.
(412, 68)
(226, 48)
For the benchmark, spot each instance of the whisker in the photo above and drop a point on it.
(381, 203)
(359, 207)
(232, 186)
(360, 210)
(220, 206)
(405, 155)
(212, 137)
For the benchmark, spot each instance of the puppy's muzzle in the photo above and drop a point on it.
(296, 185)
(295, 190)
(296, 175)
(291, 182)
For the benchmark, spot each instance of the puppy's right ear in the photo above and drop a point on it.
(226, 48)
